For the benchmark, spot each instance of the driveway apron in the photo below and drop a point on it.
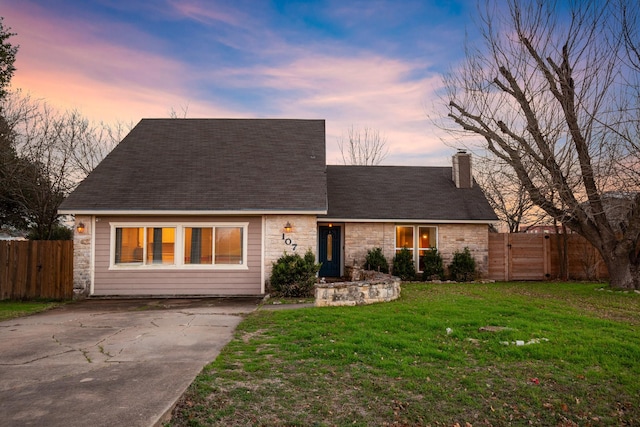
(110, 362)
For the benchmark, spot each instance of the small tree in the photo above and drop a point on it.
(463, 266)
(7, 57)
(293, 275)
(376, 261)
(433, 268)
(44, 154)
(58, 232)
(364, 147)
(403, 265)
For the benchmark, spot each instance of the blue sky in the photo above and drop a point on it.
(370, 64)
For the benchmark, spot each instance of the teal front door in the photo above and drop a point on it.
(329, 251)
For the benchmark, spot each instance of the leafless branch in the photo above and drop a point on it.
(364, 147)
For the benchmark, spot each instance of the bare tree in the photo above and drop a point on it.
(556, 95)
(365, 147)
(53, 151)
(182, 114)
(505, 194)
(95, 141)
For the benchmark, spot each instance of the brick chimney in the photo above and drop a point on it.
(462, 169)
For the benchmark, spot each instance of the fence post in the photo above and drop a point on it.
(546, 253)
(508, 263)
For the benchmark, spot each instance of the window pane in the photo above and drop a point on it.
(404, 237)
(421, 255)
(330, 247)
(228, 245)
(198, 245)
(427, 237)
(161, 245)
(426, 242)
(129, 243)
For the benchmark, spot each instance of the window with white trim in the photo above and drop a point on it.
(222, 245)
(418, 239)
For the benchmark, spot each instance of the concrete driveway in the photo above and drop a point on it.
(110, 362)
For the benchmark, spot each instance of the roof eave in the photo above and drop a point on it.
(411, 221)
(189, 212)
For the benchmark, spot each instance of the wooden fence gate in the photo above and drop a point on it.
(36, 269)
(522, 256)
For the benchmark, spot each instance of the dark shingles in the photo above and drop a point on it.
(262, 165)
(400, 192)
(211, 165)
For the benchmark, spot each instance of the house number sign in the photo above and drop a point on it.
(289, 242)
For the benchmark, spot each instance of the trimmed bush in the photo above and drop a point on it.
(463, 266)
(294, 276)
(433, 268)
(58, 232)
(403, 266)
(376, 261)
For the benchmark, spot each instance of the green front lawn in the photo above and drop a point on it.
(425, 360)
(12, 309)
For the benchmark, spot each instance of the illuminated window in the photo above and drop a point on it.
(174, 245)
(129, 244)
(426, 242)
(417, 239)
(161, 245)
(228, 246)
(404, 238)
(198, 245)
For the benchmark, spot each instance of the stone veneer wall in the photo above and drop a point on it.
(357, 293)
(360, 237)
(82, 256)
(304, 235)
(454, 237)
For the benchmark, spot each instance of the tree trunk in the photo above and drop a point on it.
(624, 273)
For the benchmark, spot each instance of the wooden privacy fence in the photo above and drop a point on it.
(36, 269)
(522, 256)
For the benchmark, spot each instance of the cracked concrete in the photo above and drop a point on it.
(110, 362)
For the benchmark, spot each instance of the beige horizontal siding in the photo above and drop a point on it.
(177, 281)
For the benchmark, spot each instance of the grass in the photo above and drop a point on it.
(13, 309)
(398, 364)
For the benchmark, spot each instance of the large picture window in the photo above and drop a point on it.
(418, 239)
(174, 245)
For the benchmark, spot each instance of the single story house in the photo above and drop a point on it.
(205, 206)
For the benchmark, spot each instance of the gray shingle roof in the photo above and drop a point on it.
(210, 165)
(402, 192)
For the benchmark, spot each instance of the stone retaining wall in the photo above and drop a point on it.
(378, 289)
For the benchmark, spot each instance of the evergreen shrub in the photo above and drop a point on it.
(376, 261)
(463, 266)
(58, 232)
(403, 266)
(294, 276)
(433, 268)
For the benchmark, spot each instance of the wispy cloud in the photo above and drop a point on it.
(265, 72)
(368, 91)
(209, 12)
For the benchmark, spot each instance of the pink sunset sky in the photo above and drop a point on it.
(374, 64)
